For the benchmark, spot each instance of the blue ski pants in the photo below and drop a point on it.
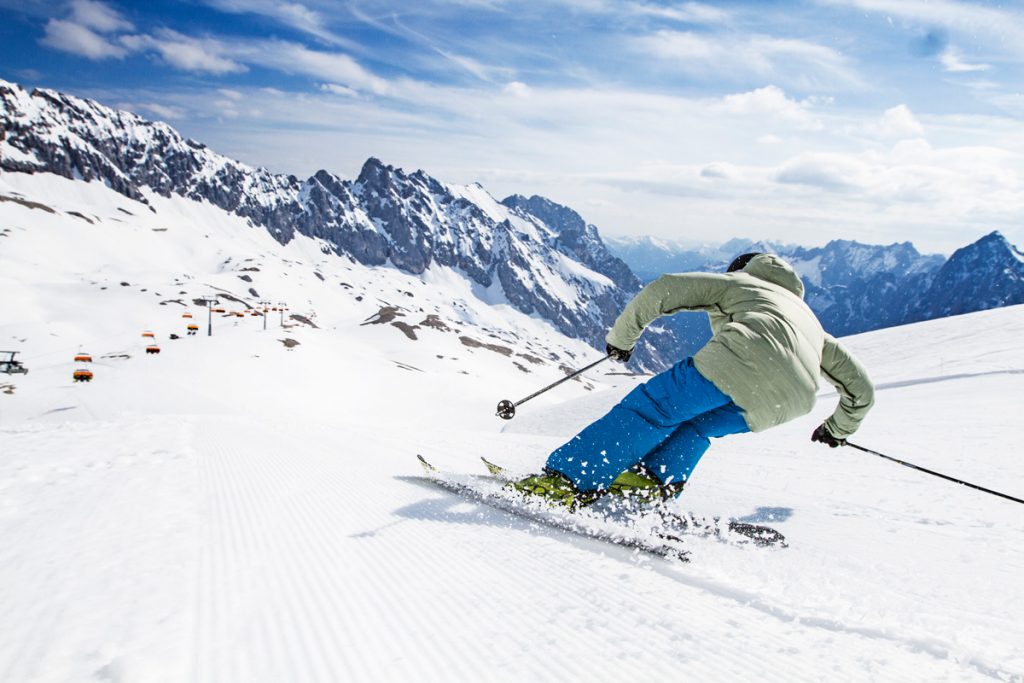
(665, 423)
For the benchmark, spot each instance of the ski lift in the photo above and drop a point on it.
(83, 358)
(10, 366)
(186, 315)
(148, 335)
(220, 310)
(193, 329)
(239, 314)
(82, 375)
(152, 348)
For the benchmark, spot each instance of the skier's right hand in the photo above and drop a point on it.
(822, 435)
(618, 354)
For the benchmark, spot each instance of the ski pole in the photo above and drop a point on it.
(507, 409)
(937, 474)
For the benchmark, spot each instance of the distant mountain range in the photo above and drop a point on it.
(856, 287)
(540, 257)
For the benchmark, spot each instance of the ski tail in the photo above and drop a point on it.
(496, 470)
(430, 469)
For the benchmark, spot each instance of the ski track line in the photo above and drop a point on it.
(278, 507)
(882, 386)
(937, 649)
(660, 637)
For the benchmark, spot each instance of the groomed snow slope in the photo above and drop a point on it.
(232, 510)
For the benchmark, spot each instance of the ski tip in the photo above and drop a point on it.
(426, 465)
(496, 470)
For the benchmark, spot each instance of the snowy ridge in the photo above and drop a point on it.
(562, 273)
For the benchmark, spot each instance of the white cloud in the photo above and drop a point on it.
(479, 70)
(772, 101)
(293, 58)
(827, 171)
(292, 14)
(720, 170)
(688, 12)
(204, 55)
(163, 111)
(98, 16)
(70, 37)
(339, 89)
(231, 94)
(743, 55)
(953, 61)
(517, 89)
(897, 122)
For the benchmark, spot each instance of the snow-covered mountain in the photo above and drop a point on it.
(986, 274)
(540, 257)
(856, 287)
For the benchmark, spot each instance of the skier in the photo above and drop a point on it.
(759, 370)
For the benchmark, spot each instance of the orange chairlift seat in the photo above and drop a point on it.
(152, 348)
(219, 310)
(83, 358)
(149, 335)
(193, 328)
(82, 375)
(186, 315)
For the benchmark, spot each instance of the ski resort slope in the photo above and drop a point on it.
(236, 510)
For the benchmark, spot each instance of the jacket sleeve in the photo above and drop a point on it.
(668, 294)
(856, 393)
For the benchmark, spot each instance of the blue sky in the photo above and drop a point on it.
(877, 120)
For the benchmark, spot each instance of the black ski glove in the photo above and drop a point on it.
(618, 354)
(822, 435)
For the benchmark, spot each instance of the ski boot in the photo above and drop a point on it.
(554, 487)
(640, 483)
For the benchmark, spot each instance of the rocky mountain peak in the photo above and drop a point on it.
(544, 256)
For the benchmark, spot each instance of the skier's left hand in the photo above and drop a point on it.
(822, 435)
(618, 354)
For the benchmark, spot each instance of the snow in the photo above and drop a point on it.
(574, 269)
(234, 510)
(809, 270)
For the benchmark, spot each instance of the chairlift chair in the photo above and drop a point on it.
(152, 348)
(10, 366)
(82, 375)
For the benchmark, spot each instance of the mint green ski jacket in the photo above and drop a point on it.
(768, 348)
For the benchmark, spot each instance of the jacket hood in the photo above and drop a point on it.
(771, 268)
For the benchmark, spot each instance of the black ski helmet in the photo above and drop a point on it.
(740, 262)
